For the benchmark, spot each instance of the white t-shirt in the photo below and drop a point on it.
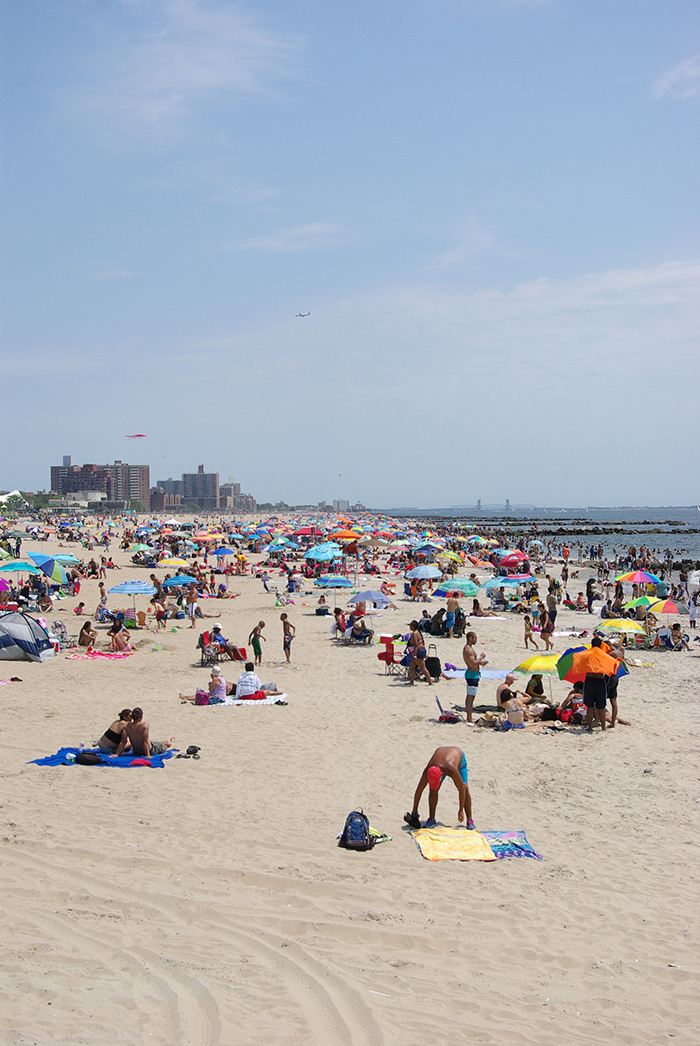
(248, 683)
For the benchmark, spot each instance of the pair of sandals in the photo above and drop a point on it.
(191, 753)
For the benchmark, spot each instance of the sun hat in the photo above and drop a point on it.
(216, 671)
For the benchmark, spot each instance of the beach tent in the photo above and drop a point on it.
(23, 639)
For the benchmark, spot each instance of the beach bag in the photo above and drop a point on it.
(356, 834)
(88, 758)
(201, 697)
(433, 663)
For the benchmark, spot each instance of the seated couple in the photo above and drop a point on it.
(220, 692)
(130, 733)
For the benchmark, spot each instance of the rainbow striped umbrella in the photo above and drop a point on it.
(639, 577)
(667, 606)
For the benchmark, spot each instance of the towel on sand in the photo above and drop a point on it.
(98, 655)
(486, 673)
(452, 844)
(59, 759)
(511, 844)
(274, 699)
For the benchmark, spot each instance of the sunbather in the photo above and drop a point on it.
(115, 733)
(138, 733)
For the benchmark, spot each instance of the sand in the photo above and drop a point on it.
(208, 902)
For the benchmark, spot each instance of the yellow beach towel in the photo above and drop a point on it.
(452, 844)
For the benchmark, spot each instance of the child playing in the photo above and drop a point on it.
(529, 636)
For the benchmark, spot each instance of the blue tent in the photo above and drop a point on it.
(23, 639)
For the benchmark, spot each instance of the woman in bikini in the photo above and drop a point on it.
(111, 738)
(87, 635)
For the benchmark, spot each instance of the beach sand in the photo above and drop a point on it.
(208, 902)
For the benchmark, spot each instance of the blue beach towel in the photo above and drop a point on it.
(511, 844)
(59, 759)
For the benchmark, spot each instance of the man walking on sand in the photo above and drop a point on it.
(288, 633)
(472, 674)
(446, 761)
(254, 640)
(137, 731)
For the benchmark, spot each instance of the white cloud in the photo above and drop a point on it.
(682, 81)
(178, 53)
(300, 238)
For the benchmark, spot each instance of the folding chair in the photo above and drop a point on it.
(210, 651)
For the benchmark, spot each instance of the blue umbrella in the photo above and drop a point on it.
(424, 571)
(496, 582)
(328, 581)
(378, 598)
(134, 588)
(224, 552)
(49, 566)
(180, 579)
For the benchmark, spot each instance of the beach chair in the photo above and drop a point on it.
(210, 651)
(392, 662)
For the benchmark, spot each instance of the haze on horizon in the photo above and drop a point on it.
(488, 209)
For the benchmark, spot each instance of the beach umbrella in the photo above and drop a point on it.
(19, 566)
(49, 566)
(139, 548)
(539, 664)
(497, 582)
(66, 559)
(371, 596)
(574, 662)
(173, 563)
(179, 579)
(134, 588)
(425, 571)
(619, 624)
(4, 554)
(639, 577)
(667, 606)
(223, 552)
(446, 554)
(462, 585)
(641, 601)
(333, 581)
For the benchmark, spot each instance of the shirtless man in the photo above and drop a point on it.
(137, 732)
(472, 674)
(507, 684)
(288, 634)
(452, 604)
(446, 761)
(254, 640)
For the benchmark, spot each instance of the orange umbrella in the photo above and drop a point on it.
(594, 660)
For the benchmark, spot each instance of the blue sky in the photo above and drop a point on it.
(488, 206)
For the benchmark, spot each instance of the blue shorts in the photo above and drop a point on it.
(472, 682)
(449, 620)
(463, 771)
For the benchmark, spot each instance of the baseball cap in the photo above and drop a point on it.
(434, 777)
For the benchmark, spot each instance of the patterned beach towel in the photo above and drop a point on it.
(452, 844)
(96, 655)
(511, 844)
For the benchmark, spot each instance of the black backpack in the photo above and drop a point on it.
(88, 758)
(356, 834)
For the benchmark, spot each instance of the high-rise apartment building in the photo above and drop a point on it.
(202, 487)
(120, 481)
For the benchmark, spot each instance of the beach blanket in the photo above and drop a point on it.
(128, 760)
(486, 673)
(96, 655)
(452, 844)
(511, 844)
(274, 699)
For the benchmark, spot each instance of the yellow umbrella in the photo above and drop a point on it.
(173, 563)
(539, 664)
(619, 624)
(448, 555)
